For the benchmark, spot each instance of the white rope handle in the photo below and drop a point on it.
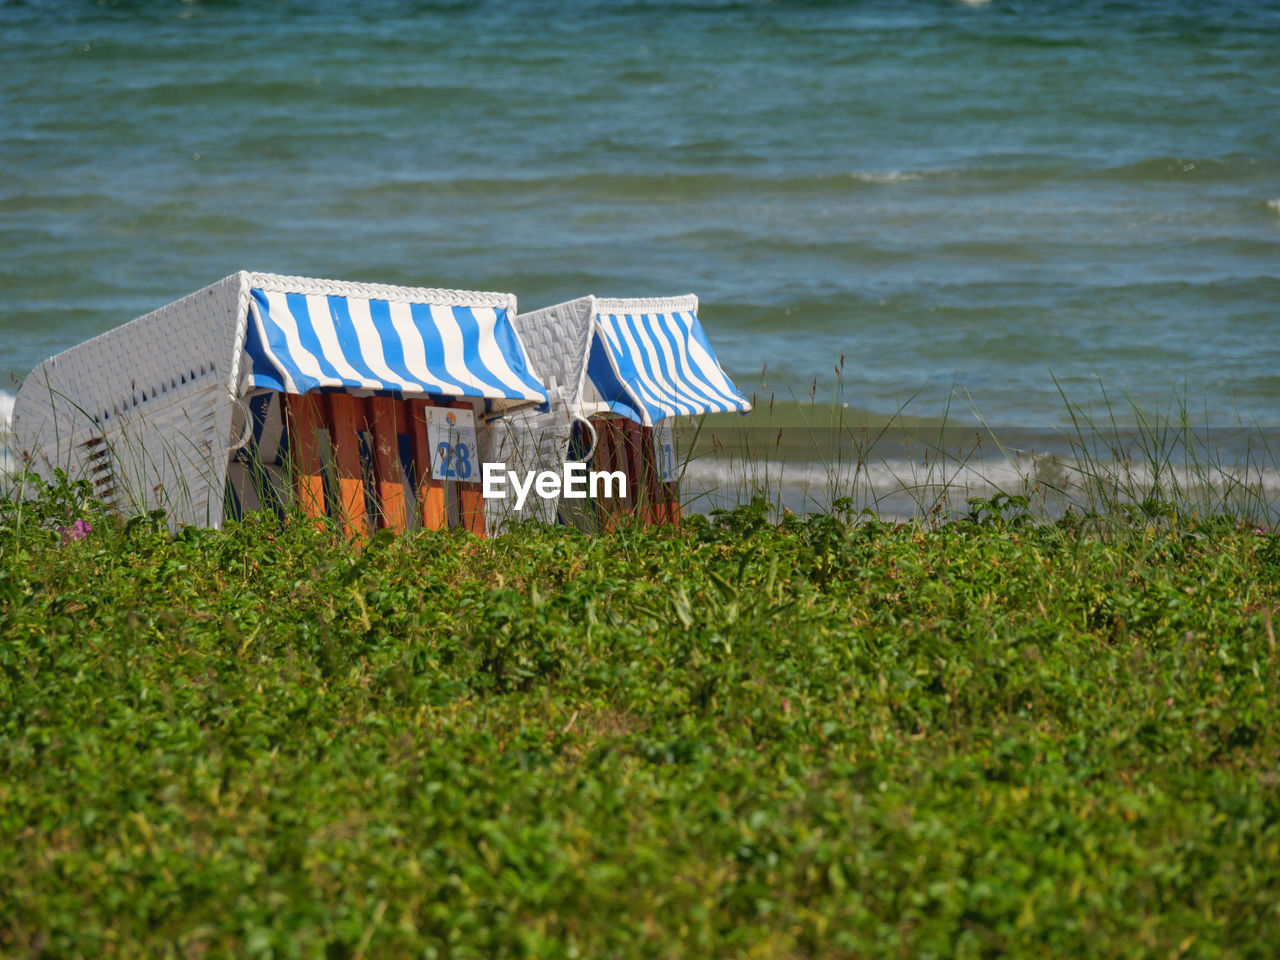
(592, 430)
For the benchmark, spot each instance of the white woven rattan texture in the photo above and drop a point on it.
(634, 306)
(276, 283)
(154, 389)
(557, 340)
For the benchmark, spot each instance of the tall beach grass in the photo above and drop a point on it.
(1112, 460)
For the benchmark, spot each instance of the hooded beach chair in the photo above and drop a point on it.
(368, 403)
(617, 371)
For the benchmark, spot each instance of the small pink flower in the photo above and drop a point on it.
(1169, 702)
(1259, 531)
(77, 531)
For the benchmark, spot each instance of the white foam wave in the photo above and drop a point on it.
(1274, 204)
(892, 176)
(901, 487)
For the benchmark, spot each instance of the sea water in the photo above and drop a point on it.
(981, 207)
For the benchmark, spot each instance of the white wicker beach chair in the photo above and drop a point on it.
(618, 369)
(160, 412)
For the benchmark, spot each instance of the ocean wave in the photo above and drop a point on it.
(893, 176)
(50, 203)
(732, 171)
(1274, 205)
(1223, 169)
(623, 185)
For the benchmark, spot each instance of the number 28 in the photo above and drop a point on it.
(456, 460)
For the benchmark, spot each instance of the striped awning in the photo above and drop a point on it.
(298, 343)
(656, 364)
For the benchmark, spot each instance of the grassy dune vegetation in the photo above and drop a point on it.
(747, 739)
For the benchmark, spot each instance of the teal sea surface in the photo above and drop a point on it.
(965, 200)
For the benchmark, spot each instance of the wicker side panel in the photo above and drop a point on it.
(154, 393)
(557, 339)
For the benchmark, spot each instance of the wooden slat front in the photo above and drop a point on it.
(637, 501)
(602, 461)
(304, 419)
(346, 419)
(618, 506)
(387, 415)
(622, 444)
(654, 506)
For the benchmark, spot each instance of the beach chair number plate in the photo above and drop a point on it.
(451, 435)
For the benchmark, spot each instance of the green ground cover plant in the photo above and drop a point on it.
(816, 737)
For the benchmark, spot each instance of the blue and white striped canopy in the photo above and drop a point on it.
(650, 366)
(299, 343)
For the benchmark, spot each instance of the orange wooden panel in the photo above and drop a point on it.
(618, 435)
(304, 419)
(470, 493)
(600, 460)
(385, 420)
(346, 420)
(654, 508)
(633, 443)
(430, 492)
(612, 457)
